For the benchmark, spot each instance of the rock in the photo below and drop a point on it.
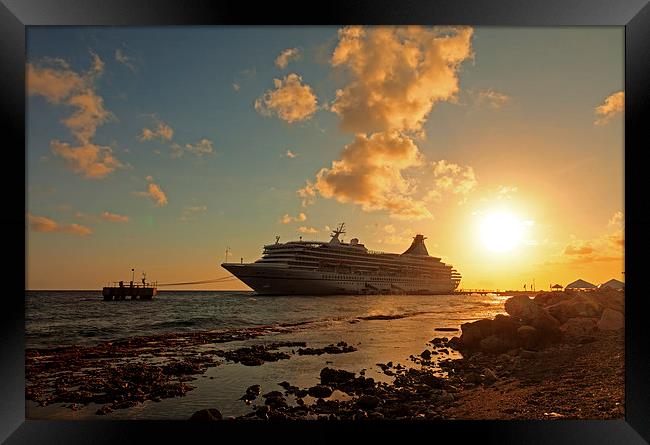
(490, 376)
(276, 402)
(528, 336)
(611, 320)
(472, 377)
(546, 299)
(104, 410)
(505, 326)
(263, 412)
(207, 414)
(254, 390)
(335, 376)
(426, 354)
(284, 384)
(368, 402)
(522, 307)
(585, 340)
(454, 343)
(320, 391)
(301, 393)
(579, 326)
(273, 394)
(446, 329)
(473, 333)
(496, 345)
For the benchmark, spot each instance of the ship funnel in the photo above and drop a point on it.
(417, 247)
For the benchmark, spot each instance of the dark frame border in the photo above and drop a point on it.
(15, 15)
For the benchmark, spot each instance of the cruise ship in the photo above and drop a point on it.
(337, 267)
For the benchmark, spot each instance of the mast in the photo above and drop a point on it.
(336, 232)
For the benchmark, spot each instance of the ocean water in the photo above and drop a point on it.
(56, 318)
(382, 327)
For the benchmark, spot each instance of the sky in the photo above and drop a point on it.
(159, 148)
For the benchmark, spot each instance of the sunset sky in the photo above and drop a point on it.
(157, 148)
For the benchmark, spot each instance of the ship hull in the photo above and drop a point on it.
(268, 280)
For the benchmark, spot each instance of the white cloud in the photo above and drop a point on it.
(124, 59)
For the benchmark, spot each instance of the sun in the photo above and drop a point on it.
(501, 231)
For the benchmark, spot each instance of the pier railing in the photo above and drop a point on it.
(129, 284)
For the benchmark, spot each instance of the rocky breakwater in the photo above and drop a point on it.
(548, 318)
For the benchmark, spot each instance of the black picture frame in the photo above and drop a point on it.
(15, 15)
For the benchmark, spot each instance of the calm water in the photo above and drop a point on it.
(82, 317)
(63, 318)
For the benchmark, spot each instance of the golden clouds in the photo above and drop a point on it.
(578, 249)
(90, 160)
(89, 115)
(44, 224)
(305, 229)
(202, 147)
(286, 219)
(395, 77)
(56, 82)
(454, 178)
(396, 74)
(613, 105)
(369, 173)
(154, 192)
(114, 217)
(162, 131)
(286, 56)
(291, 101)
(605, 248)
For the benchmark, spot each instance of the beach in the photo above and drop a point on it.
(330, 357)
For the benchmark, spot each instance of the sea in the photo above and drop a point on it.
(382, 327)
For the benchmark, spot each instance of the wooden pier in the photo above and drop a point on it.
(476, 291)
(134, 291)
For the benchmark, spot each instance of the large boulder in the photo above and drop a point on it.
(529, 337)
(579, 326)
(523, 308)
(329, 376)
(611, 320)
(495, 344)
(578, 306)
(505, 326)
(546, 299)
(474, 332)
(320, 391)
(610, 298)
(207, 414)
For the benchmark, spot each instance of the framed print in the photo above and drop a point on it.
(379, 218)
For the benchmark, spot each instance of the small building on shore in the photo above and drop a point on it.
(613, 284)
(556, 287)
(581, 285)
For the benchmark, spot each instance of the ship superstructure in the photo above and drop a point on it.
(337, 267)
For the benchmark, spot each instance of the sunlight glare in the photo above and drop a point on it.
(501, 231)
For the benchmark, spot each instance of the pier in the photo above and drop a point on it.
(476, 291)
(134, 291)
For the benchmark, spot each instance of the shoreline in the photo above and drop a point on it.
(578, 376)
